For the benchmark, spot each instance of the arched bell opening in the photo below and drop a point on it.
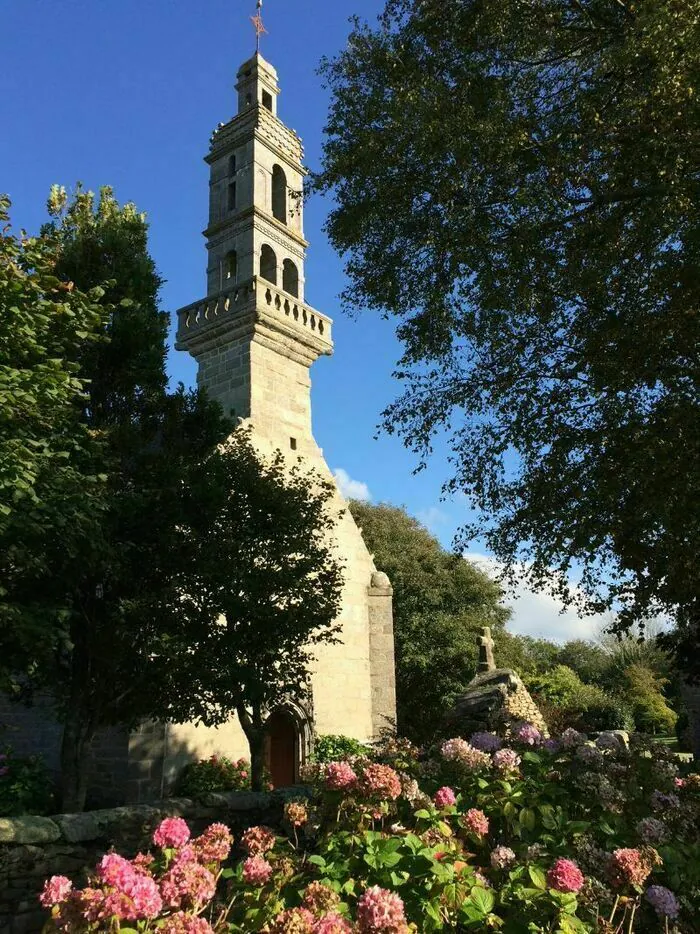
(279, 194)
(268, 264)
(290, 278)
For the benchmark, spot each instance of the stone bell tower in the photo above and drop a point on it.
(254, 338)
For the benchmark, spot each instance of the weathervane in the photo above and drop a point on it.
(258, 24)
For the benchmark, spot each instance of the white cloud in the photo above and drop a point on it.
(433, 518)
(539, 614)
(349, 488)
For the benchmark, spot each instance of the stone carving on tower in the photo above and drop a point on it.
(254, 338)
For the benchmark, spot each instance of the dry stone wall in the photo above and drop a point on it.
(34, 848)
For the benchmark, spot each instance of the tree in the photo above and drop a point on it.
(45, 489)
(103, 594)
(517, 184)
(262, 589)
(644, 690)
(441, 602)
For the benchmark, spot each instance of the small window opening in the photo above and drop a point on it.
(231, 268)
(279, 194)
(268, 264)
(248, 99)
(267, 100)
(231, 201)
(293, 443)
(231, 165)
(290, 278)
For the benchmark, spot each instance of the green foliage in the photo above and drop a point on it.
(645, 692)
(25, 785)
(563, 686)
(259, 591)
(517, 184)
(441, 602)
(217, 773)
(90, 595)
(331, 748)
(50, 490)
(529, 848)
(571, 703)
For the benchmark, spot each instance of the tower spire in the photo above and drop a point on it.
(258, 24)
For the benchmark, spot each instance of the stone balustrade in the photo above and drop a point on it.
(256, 292)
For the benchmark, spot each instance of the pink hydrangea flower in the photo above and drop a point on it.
(320, 899)
(187, 884)
(296, 813)
(293, 921)
(460, 751)
(340, 776)
(381, 910)
(565, 876)
(663, 901)
(185, 923)
(506, 760)
(171, 832)
(56, 890)
(116, 871)
(90, 903)
(258, 840)
(256, 870)
(144, 899)
(629, 866)
(529, 734)
(380, 781)
(502, 857)
(444, 797)
(214, 845)
(476, 822)
(332, 924)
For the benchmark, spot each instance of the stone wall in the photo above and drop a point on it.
(34, 848)
(33, 731)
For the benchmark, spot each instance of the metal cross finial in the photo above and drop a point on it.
(258, 25)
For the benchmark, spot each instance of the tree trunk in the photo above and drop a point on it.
(80, 724)
(255, 734)
(75, 751)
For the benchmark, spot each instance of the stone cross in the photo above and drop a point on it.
(486, 662)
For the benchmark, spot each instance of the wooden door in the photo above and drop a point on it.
(282, 749)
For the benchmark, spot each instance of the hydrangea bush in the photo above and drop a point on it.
(217, 773)
(533, 835)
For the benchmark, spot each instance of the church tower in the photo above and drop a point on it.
(253, 335)
(255, 338)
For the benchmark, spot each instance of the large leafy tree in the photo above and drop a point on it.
(518, 183)
(101, 596)
(262, 589)
(441, 602)
(48, 489)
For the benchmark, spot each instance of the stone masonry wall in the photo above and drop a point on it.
(34, 848)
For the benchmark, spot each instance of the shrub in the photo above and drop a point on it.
(25, 785)
(217, 773)
(331, 747)
(645, 691)
(550, 837)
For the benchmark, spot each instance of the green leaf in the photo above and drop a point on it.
(483, 899)
(527, 818)
(538, 877)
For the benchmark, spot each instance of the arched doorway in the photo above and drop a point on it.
(282, 748)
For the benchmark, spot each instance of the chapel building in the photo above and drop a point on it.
(254, 338)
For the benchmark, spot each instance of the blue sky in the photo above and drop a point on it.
(127, 93)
